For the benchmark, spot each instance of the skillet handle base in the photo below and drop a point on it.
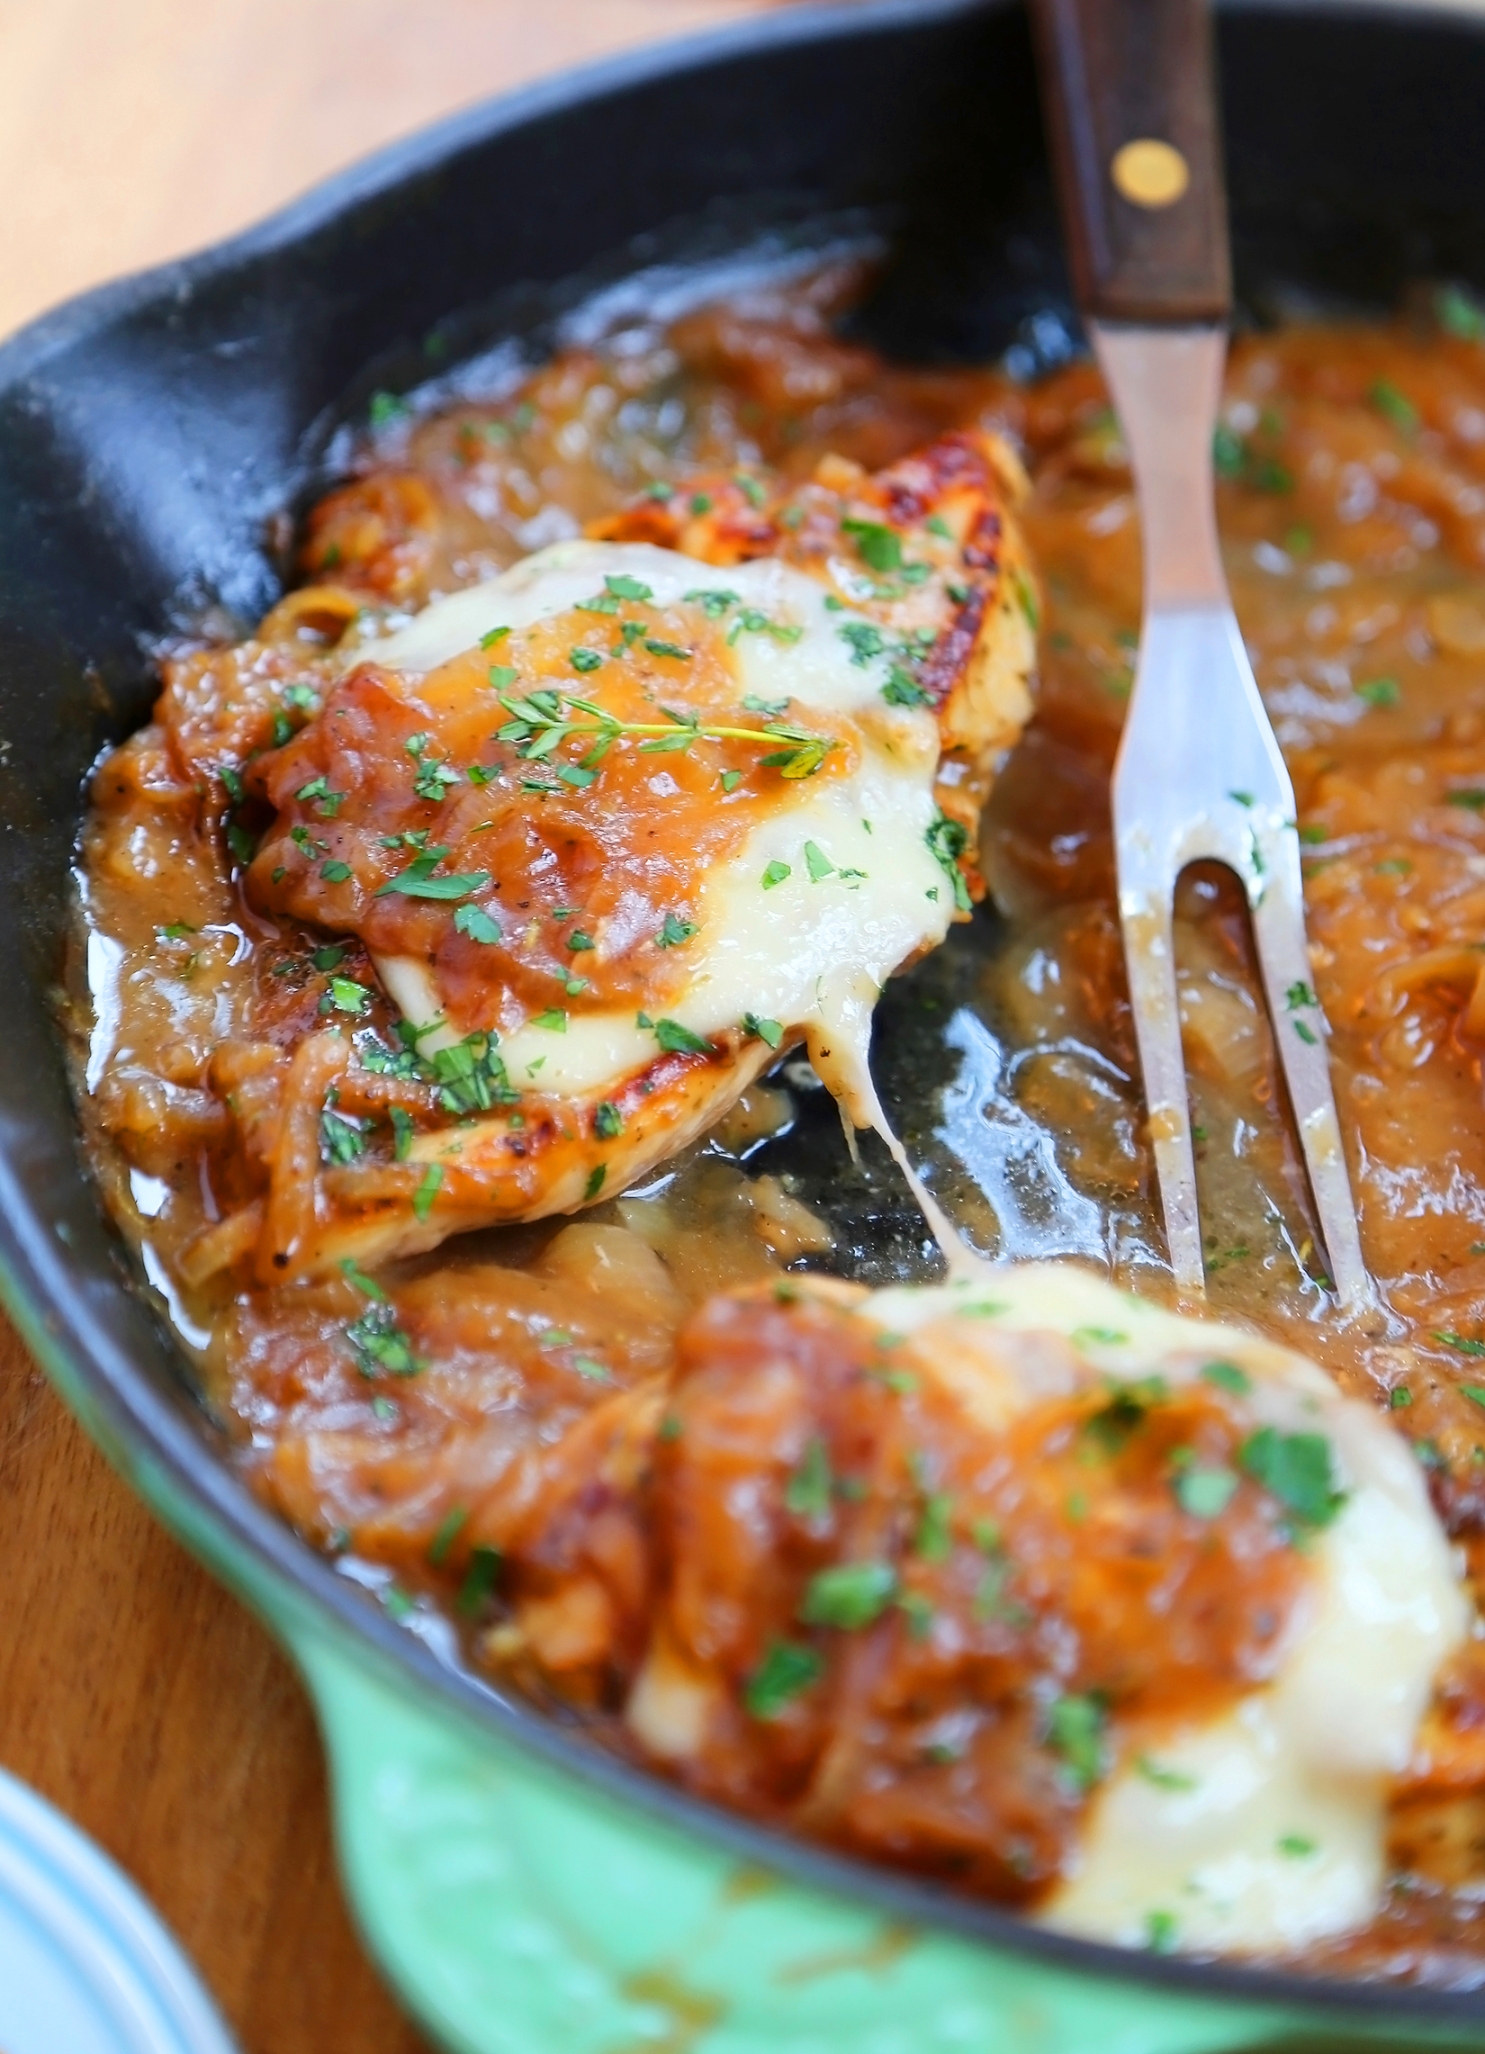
(518, 1910)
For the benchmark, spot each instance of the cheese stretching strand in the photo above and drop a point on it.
(619, 825)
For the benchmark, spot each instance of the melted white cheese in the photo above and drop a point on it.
(1267, 1830)
(809, 953)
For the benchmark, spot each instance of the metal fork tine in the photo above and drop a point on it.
(1150, 958)
(1300, 1031)
(1199, 775)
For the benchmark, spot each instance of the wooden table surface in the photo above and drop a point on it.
(133, 1692)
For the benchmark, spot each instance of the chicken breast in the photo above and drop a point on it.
(617, 827)
(1127, 1618)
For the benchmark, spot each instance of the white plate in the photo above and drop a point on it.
(86, 1967)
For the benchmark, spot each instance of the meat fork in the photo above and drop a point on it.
(1131, 103)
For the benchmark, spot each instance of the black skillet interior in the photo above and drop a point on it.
(149, 433)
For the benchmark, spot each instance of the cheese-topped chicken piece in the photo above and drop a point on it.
(613, 830)
(1127, 1618)
(926, 550)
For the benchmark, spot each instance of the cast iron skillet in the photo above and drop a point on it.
(149, 432)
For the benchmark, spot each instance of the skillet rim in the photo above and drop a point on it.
(139, 1425)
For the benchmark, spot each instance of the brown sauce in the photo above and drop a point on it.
(475, 1429)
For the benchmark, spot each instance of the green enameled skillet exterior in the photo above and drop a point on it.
(527, 1894)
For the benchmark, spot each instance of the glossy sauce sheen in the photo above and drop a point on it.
(474, 1430)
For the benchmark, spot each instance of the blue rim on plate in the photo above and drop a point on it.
(86, 1966)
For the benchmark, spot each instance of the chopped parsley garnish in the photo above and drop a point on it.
(544, 720)
(1205, 1492)
(341, 1140)
(678, 1040)
(479, 1580)
(775, 874)
(1227, 1377)
(584, 660)
(554, 1020)
(1461, 1344)
(1161, 1930)
(674, 932)
(947, 841)
(751, 622)
(714, 604)
(902, 689)
(176, 931)
(346, 996)
(817, 863)
(608, 1121)
(730, 780)
(1394, 406)
(1124, 1410)
(418, 882)
(492, 636)
(449, 1529)
(503, 676)
(477, 924)
(380, 1344)
(670, 649)
(771, 1031)
(807, 1494)
(403, 1129)
(864, 641)
(1380, 691)
(1162, 1777)
(849, 1596)
(934, 1538)
(1297, 1469)
(427, 1191)
(785, 1671)
(622, 586)
(326, 803)
(1077, 1728)
(1297, 1845)
(335, 872)
(1457, 314)
(386, 409)
(434, 779)
(879, 547)
(470, 1076)
(579, 942)
(595, 1183)
(367, 1286)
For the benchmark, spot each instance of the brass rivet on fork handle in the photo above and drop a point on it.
(1199, 774)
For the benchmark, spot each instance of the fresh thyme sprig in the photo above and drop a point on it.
(539, 724)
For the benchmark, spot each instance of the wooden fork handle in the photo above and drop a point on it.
(1129, 90)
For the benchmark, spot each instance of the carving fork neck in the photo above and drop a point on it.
(1166, 385)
